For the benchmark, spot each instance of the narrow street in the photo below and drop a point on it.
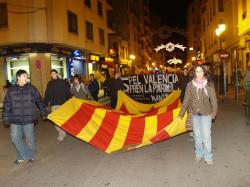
(169, 163)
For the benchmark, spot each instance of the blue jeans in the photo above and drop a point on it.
(202, 136)
(17, 132)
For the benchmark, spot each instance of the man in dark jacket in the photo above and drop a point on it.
(93, 87)
(19, 111)
(56, 94)
(115, 85)
(183, 81)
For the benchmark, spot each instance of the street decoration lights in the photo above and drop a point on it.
(175, 61)
(219, 31)
(169, 47)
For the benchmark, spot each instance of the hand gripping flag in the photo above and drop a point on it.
(131, 125)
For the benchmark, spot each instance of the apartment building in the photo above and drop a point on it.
(235, 40)
(131, 21)
(40, 35)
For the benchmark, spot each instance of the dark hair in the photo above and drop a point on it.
(20, 72)
(92, 74)
(53, 70)
(78, 77)
(7, 84)
(202, 67)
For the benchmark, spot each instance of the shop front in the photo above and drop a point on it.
(38, 60)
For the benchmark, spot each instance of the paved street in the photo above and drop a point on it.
(169, 163)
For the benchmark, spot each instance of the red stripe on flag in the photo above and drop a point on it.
(106, 131)
(164, 120)
(173, 105)
(135, 131)
(163, 135)
(79, 120)
(124, 109)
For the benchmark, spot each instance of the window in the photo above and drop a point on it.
(214, 9)
(87, 3)
(72, 22)
(59, 64)
(101, 36)
(3, 15)
(16, 63)
(244, 9)
(220, 6)
(89, 30)
(99, 6)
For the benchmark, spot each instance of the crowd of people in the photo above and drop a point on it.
(21, 100)
(198, 98)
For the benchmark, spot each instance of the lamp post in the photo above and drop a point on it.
(219, 31)
(131, 57)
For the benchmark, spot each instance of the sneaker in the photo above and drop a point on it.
(19, 161)
(191, 138)
(198, 158)
(30, 161)
(210, 162)
(60, 139)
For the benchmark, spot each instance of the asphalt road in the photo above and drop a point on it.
(169, 163)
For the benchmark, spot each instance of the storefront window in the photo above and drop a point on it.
(59, 64)
(16, 63)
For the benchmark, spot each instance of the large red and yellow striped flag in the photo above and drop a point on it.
(125, 129)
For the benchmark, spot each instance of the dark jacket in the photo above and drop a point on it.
(115, 85)
(93, 87)
(57, 92)
(204, 105)
(20, 105)
(182, 85)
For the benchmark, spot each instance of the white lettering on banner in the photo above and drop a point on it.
(153, 87)
(157, 98)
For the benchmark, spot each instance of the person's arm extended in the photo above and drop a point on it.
(39, 104)
(186, 101)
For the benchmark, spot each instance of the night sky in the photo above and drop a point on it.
(172, 12)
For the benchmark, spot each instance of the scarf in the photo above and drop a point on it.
(200, 84)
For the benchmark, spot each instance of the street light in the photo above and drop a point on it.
(132, 57)
(219, 31)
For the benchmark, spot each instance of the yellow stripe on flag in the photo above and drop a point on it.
(89, 131)
(177, 126)
(65, 112)
(120, 134)
(150, 128)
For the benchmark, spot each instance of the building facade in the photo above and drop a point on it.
(234, 41)
(131, 20)
(40, 35)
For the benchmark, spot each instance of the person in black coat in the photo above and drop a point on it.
(183, 81)
(56, 94)
(20, 113)
(115, 85)
(93, 87)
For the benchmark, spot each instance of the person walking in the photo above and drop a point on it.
(5, 88)
(93, 87)
(200, 96)
(19, 112)
(80, 90)
(115, 85)
(56, 94)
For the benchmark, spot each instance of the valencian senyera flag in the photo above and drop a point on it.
(131, 125)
